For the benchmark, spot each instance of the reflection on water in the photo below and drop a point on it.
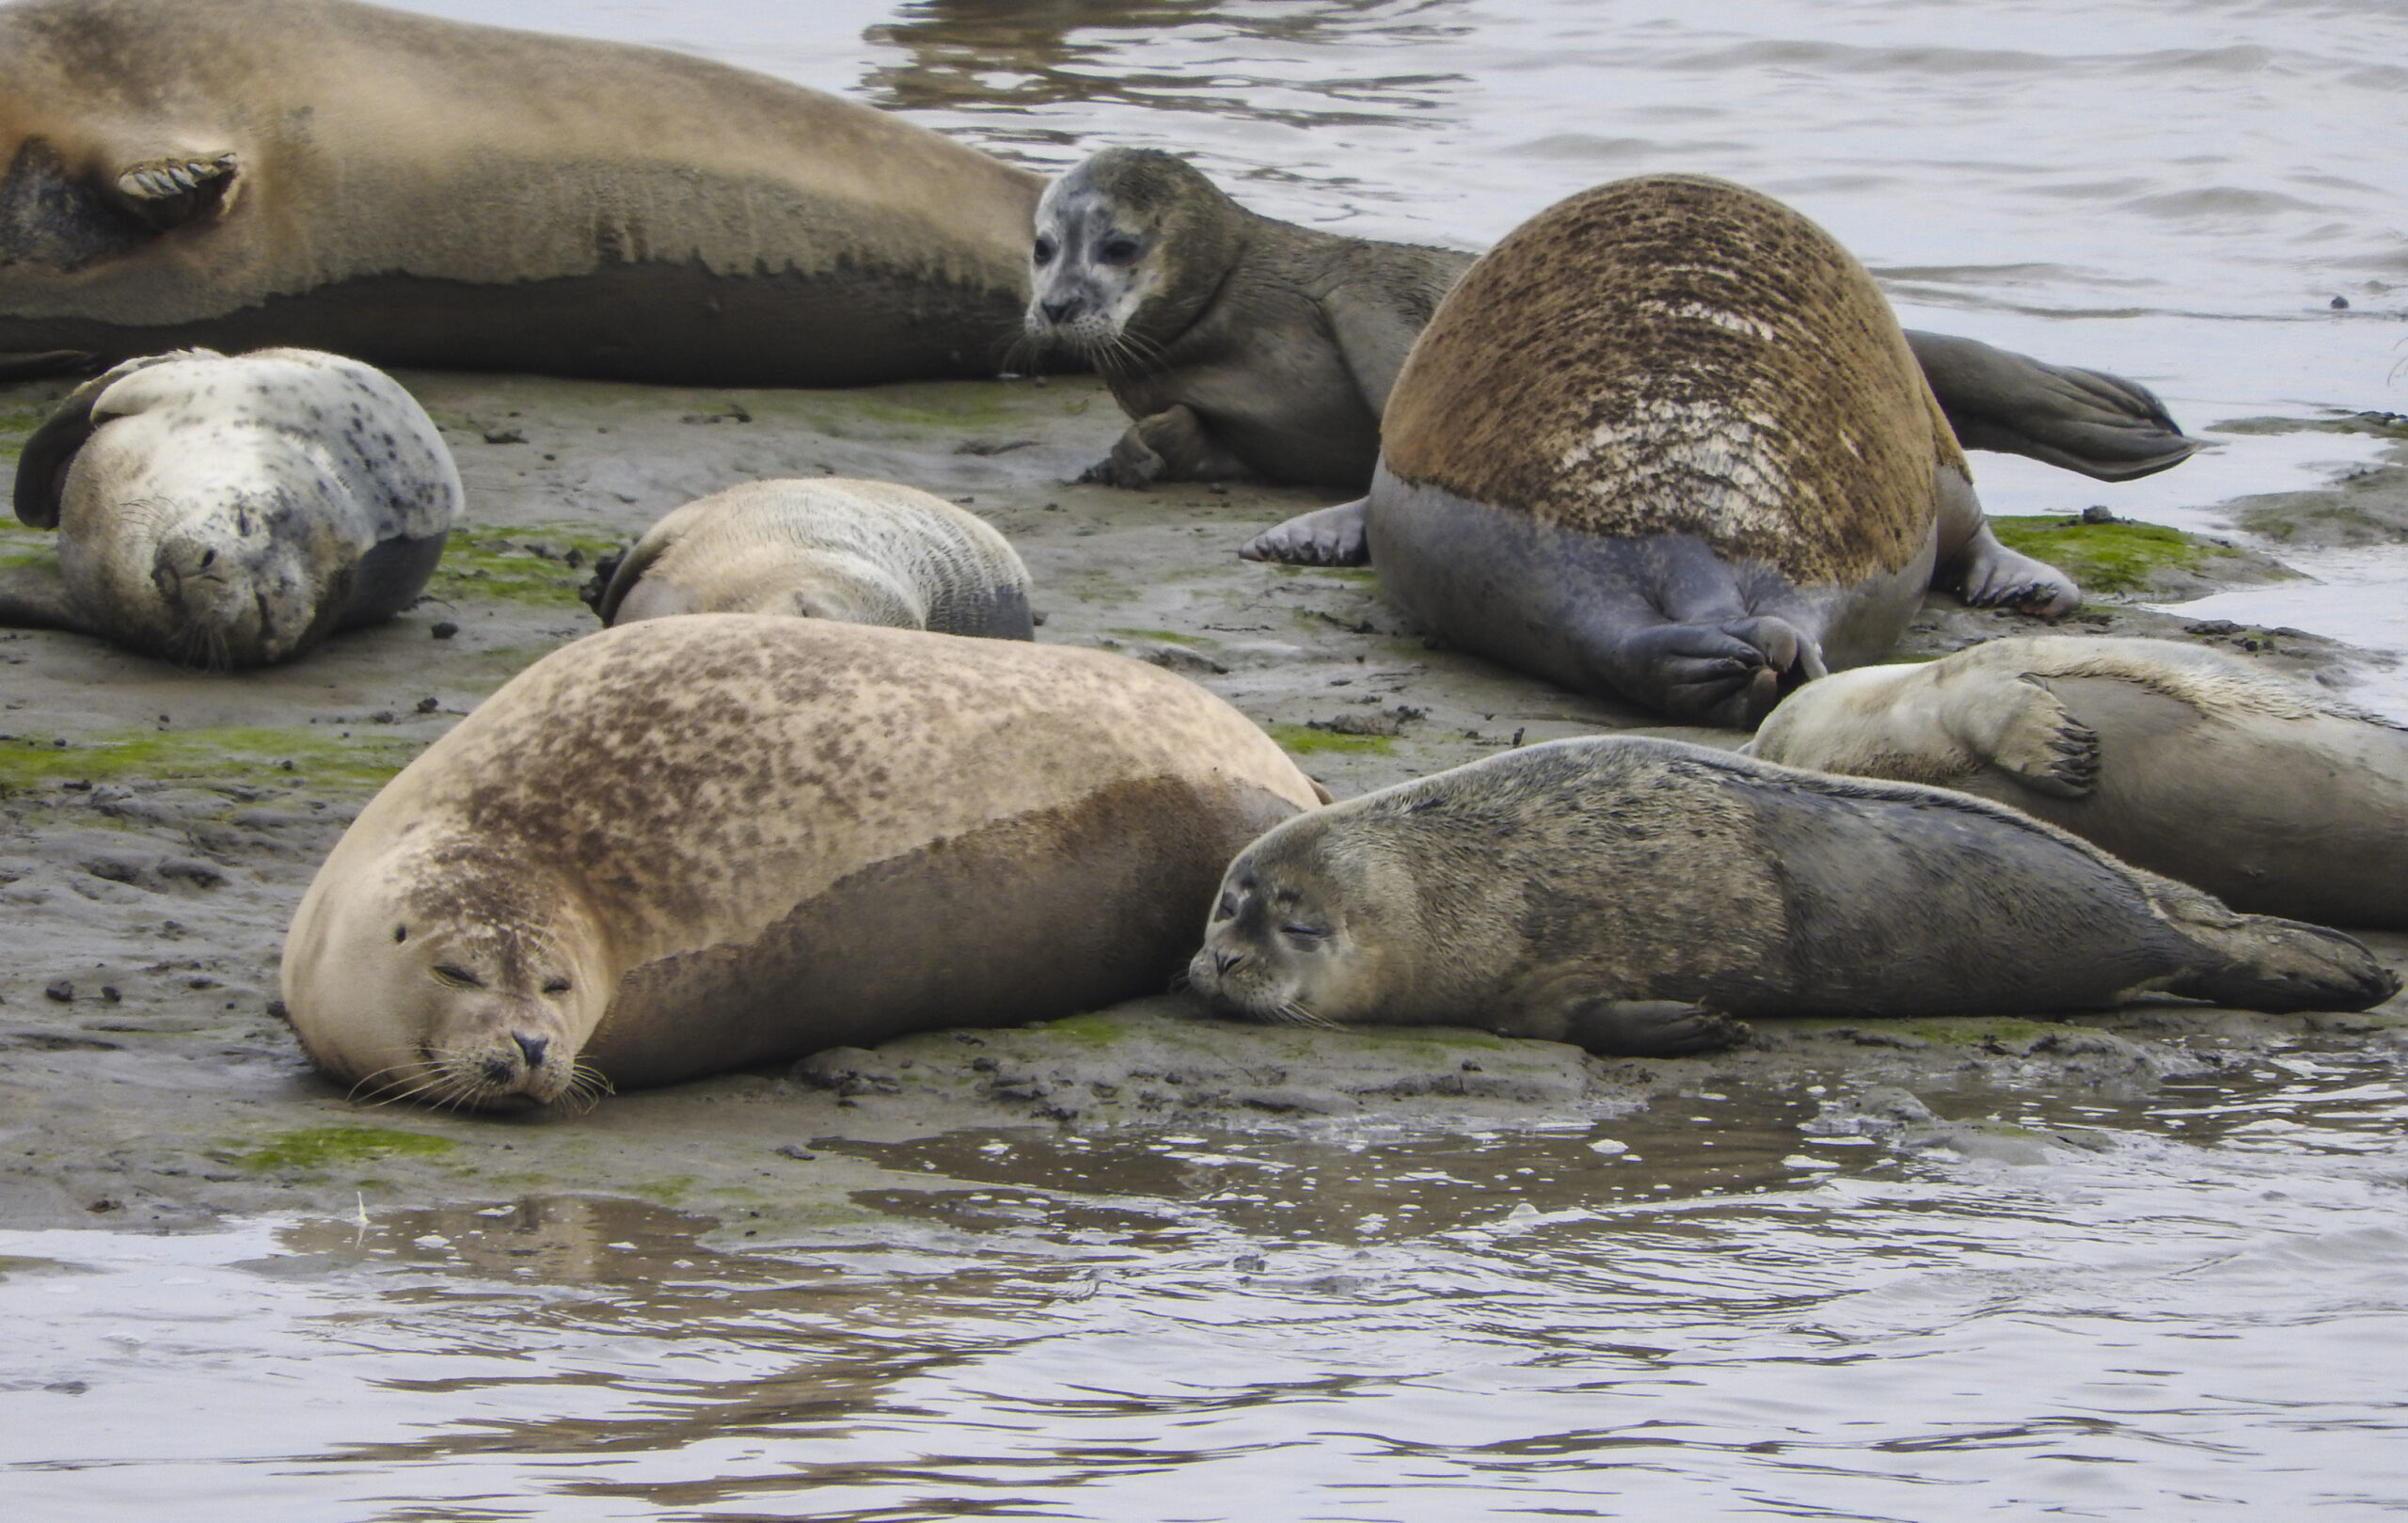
(1739, 1302)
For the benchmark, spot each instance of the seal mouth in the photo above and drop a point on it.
(486, 1079)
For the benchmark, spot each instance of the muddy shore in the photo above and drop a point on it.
(157, 828)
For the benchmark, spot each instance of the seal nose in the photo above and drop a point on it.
(1060, 311)
(534, 1047)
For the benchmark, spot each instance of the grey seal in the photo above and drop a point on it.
(1666, 442)
(1635, 895)
(228, 511)
(2265, 792)
(686, 845)
(1242, 345)
(867, 552)
(414, 191)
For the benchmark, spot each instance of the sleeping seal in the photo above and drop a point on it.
(2185, 761)
(232, 511)
(691, 843)
(1244, 346)
(1666, 442)
(1644, 897)
(414, 191)
(866, 552)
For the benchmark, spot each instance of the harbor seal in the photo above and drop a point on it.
(688, 844)
(1636, 896)
(866, 552)
(1666, 442)
(2185, 761)
(1246, 346)
(226, 511)
(414, 191)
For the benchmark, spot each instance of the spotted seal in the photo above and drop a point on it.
(686, 845)
(867, 552)
(1248, 346)
(2187, 762)
(1636, 896)
(414, 191)
(1666, 442)
(228, 511)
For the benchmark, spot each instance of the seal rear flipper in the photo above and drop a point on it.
(2099, 425)
(169, 191)
(1324, 537)
(33, 364)
(1728, 674)
(2262, 963)
(35, 598)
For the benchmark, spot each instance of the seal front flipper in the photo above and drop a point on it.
(2100, 425)
(2018, 725)
(35, 598)
(170, 191)
(49, 452)
(1324, 537)
(1570, 1006)
(1170, 445)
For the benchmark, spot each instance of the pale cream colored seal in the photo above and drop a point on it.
(414, 191)
(2267, 793)
(1636, 896)
(866, 552)
(691, 843)
(227, 511)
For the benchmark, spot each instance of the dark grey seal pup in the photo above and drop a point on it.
(1666, 442)
(2187, 762)
(1242, 345)
(227, 511)
(1644, 897)
(416, 190)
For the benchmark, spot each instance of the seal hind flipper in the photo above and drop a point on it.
(33, 364)
(169, 191)
(628, 569)
(2100, 425)
(2260, 962)
(1971, 562)
(1324, 537)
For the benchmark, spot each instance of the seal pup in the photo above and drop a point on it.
(2185, 761)
(1645, 897)
(1244, 345)
(866, 552)
(1666, 442)
(686, 845)
(414, 191)
(225, 510)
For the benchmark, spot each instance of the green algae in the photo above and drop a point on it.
(1167, 637)
(322, 1147)
(2119, 556)
(495, 566)
(1303, 740)
(2382, 425)
(22, 548)
(233, 754)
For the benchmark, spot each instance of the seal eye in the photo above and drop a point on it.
(1120, 249)
(1227, 908)
(458, 977)
(555, 985)
(1045, 250)
(1305, 933)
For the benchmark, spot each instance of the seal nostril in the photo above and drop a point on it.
(1060, 311)
(207, 558)
(1224, 961)
(533, 1047)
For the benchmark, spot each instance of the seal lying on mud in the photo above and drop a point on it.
(864, 552)
(1666, 441)
(413, 191)
(690, 843)
(1643, 897)
(1246, 346)
(2184, 761)
(232, 511)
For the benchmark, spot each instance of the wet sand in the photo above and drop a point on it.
(157, 828)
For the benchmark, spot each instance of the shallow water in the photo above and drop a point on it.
(1735, 1306)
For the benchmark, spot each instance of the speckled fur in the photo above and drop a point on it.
(667, 816)
(867, 552)
(218, 510)
(1678, 355)
(2272, 795)
(410, 189)
(1525, 890)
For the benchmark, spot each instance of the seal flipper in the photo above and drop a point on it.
(33, 364)
(1729, 674)
(1170, 445)
(2019, 726)
(35, 598)
(41, 485)
(1324, 537)
(1971, 562)
(2100, 425)
(1570, 1007)
(2258, 962)
(169, 191)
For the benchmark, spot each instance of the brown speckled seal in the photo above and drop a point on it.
(686, 844)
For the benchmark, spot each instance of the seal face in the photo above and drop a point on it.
(2185, 761)
(1244, 346)
(689, 844)
(233, 511)
(1666, 442)
(1558, 892)
(866, 552)
(414, 191)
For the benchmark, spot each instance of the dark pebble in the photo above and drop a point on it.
(444, 630)
(61, 990)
